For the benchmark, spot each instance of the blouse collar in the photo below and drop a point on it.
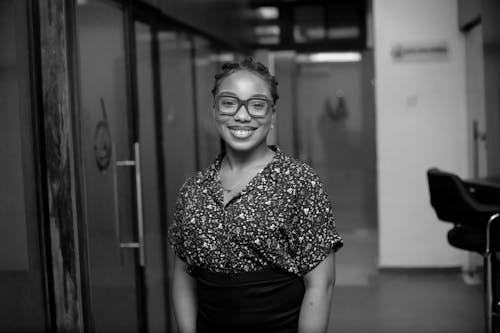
(212, 172)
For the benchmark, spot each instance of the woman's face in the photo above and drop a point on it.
(242, 132)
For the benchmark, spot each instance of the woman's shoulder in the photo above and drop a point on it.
(297, 168)
(199, 178)
(193, 181)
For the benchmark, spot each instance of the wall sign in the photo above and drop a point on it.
(420, 52)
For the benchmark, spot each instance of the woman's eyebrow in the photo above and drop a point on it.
(261, 95)
(231, 94)
(227, 93)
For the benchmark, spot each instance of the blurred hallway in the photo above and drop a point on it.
(106, 109)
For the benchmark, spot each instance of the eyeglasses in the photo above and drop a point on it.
(228, 105)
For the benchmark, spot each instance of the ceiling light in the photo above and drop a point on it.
(268, 13)
(330, 57)
(222, 57)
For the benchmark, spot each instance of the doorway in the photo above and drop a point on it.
(329, 122)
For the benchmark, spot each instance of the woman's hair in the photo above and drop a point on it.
(247, 64)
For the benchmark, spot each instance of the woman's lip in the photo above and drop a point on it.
(241, 132)
(247, 128)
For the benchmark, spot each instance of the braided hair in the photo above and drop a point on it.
(247, 64)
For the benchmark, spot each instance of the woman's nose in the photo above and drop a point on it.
(242, 114)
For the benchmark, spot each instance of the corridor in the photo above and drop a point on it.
(108, 106)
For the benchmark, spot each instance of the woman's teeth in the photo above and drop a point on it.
(241, 133)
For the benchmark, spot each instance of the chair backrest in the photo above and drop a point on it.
(450, 198)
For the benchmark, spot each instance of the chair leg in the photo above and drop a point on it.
(495, 290)
(488, 265)
(488, 293)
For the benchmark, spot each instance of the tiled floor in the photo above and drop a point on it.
(367, 300)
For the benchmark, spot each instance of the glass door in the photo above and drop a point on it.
(149, 141)
(111, 170)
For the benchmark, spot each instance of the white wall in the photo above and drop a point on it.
(421, 122)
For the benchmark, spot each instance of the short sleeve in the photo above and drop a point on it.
(175, 232)
(313, 226)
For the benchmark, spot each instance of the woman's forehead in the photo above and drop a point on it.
(244, 82)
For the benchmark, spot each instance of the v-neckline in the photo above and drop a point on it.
(245, 189)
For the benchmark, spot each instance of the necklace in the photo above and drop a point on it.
(244, 177)
(229, 189)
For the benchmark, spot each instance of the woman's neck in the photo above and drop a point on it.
(238, 160)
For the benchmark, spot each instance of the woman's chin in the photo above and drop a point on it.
(240, 146)
(246, 145)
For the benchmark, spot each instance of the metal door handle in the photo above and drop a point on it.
(136, 163)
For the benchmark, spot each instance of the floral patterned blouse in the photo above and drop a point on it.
(282, 219)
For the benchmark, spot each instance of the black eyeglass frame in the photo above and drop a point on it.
(245, 103)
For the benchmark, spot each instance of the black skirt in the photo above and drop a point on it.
(263, 301)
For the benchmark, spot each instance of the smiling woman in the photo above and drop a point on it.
(254, 233)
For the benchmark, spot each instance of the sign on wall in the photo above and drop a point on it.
(420, 52)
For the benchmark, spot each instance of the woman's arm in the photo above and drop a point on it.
(184, 298)
(315, 308)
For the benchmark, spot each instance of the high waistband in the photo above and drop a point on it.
(245, 278)
(261, 301)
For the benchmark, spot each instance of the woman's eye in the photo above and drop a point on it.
(228, 103)
(258, 105)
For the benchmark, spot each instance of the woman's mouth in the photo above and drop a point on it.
(241, 132)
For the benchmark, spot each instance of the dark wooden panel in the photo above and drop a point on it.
(60, 171)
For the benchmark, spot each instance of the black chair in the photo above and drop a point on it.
(475, 228)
